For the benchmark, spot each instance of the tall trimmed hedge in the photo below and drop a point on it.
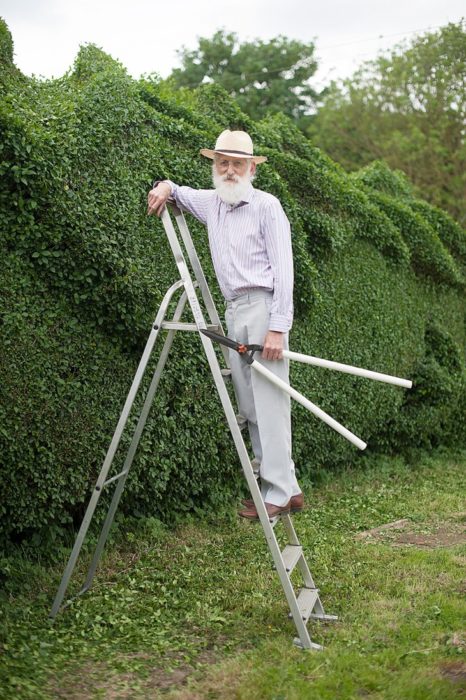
(379, 283)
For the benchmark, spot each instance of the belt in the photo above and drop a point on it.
(250, 295)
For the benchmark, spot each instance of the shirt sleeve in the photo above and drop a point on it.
(191, 200)
(277, 236)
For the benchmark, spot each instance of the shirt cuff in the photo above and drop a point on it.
(279, 323)
(169, 182)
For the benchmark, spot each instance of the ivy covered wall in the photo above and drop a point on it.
(380, 283)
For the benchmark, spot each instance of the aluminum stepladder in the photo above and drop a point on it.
(305, 604)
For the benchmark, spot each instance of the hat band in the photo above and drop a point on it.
(226, 150)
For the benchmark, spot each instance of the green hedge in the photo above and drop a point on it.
(379, 283)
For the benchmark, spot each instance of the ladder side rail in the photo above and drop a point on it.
(112, 449)
(199, 275)
(318, 609)
(211, 357)
(183, 269)
(290, 531)
(236, 434)
(196, 265)
(303, 568)
(306, 573)
(133, 446)
(214, 365)
(293, 540)
(256, 495)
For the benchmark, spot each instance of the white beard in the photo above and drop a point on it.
(231, 190)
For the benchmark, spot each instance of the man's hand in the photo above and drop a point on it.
(157, 198)
(273, 346)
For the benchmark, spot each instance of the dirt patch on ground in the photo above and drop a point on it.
(403, 532)
(455, 671)
(95, 680)
(382, 529)
(161, 680)
(443, 537)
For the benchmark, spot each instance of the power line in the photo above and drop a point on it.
(334, 46)
(382, 36)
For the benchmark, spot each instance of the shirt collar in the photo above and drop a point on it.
(246, 198)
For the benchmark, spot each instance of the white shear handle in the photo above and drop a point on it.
(308, 404)
(349, 369)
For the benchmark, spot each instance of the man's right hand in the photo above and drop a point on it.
(156, 199)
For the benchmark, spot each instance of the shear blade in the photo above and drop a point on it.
(221, 339)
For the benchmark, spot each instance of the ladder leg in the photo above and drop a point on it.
(132, 449)
(318, 611)
(200, 277)
(308, 601)
(74, 554)
(302, 565)
(302, 630)
(111, 450)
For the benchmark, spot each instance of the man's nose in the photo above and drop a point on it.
(230, 169)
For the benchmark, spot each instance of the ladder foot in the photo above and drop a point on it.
(317, 647)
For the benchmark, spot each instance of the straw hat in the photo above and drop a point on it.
(235, 144)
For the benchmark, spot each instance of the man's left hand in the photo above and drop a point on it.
(273, 346)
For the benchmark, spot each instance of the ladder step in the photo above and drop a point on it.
(307, 599)
(291, 555)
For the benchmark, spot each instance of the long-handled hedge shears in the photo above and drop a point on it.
(247, 353)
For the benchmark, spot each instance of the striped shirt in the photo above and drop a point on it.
(250, 244)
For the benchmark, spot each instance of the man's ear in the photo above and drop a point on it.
(253, 168)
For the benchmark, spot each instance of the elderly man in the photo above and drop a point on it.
(250, 243)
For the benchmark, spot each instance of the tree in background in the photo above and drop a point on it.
(262, 76)
(409, 109)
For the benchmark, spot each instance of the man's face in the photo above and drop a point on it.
(232, 177)
(233, 169)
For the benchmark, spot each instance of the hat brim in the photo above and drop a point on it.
(211, 154)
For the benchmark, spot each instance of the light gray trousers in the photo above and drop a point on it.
(264, 405)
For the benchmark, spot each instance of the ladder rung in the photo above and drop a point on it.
(306, 599)
(291, 555)
(114, 478)
(178, 326)
(183, 326)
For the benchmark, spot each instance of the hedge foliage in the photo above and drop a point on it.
(379, 283)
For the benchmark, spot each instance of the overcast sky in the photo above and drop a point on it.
(145, 34)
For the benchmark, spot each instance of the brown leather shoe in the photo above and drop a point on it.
(272, 511)
(296, 503)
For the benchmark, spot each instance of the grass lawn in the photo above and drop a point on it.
(198, 612)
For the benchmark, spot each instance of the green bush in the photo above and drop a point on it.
(436, 243)
(378, 284)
